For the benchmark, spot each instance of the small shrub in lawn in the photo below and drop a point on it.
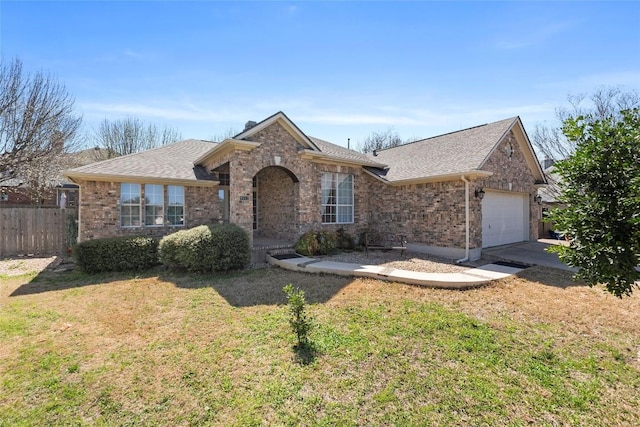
(298, 320)
(219, 247)
(316, 243)
(116, 254)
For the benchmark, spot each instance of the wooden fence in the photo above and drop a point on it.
(36, 230)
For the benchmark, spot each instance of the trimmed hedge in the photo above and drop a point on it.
(219, 247)
(116, 254)
(316, 243)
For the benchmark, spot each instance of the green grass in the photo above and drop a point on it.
(218, 350)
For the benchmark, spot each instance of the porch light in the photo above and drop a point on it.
(538, 199)
(479, 193)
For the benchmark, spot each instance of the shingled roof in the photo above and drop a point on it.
(453, 153)
(338, 152)
(173, 162)
(457, 153)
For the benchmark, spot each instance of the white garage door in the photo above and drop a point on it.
(505, 218)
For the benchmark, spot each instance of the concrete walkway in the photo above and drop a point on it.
(465, 279)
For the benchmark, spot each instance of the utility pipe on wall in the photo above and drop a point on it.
(466, 220)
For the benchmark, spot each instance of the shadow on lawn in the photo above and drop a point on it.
(305, 354)
(245, 288)
(48, 281)
(549, 276)
(249, 288)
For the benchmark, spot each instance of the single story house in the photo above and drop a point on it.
(450, 195)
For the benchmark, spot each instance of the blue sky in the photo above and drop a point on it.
(338, 69)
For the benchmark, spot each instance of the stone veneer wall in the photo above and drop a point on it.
(100, 211)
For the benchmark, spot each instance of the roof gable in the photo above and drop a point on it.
(286, 123)
(310, 148)
(525, 147)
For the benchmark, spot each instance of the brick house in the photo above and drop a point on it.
(451, 195)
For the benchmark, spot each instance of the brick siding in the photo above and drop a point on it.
(289, 197)
(100, 211)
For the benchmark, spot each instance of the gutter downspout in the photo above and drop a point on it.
(466, 220)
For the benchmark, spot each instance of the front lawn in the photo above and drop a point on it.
(171, 349)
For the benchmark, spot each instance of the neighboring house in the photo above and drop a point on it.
(16, 191)
(549, 199)
(275, 181)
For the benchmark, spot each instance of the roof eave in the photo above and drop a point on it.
(83, 176)
(472, 174)
(542, 177)
(226, 146)
(319, 156)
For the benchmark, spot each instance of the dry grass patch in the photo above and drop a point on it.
(163, 348)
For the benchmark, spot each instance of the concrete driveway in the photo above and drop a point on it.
(532, 253)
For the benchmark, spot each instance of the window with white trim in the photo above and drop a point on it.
(337, 198)
(153, 205)
(130, 205)
(175, 205)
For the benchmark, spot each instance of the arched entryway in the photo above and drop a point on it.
(275, 195)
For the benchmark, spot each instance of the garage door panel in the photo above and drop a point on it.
(504, 218)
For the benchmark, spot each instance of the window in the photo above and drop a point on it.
(224, 179)
(153, 205)
(153, 215)
(337, 198)
(175, 205)
(130, 206)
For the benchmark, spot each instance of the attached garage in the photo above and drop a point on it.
(505, 218)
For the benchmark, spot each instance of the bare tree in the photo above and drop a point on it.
(37, 124)
(603, 103)
(130, 135)
(381, 140)
(221, 136)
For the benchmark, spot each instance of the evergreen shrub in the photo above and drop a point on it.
(116, 254)
(219, 247)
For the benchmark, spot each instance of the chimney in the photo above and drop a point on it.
(249, 124)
